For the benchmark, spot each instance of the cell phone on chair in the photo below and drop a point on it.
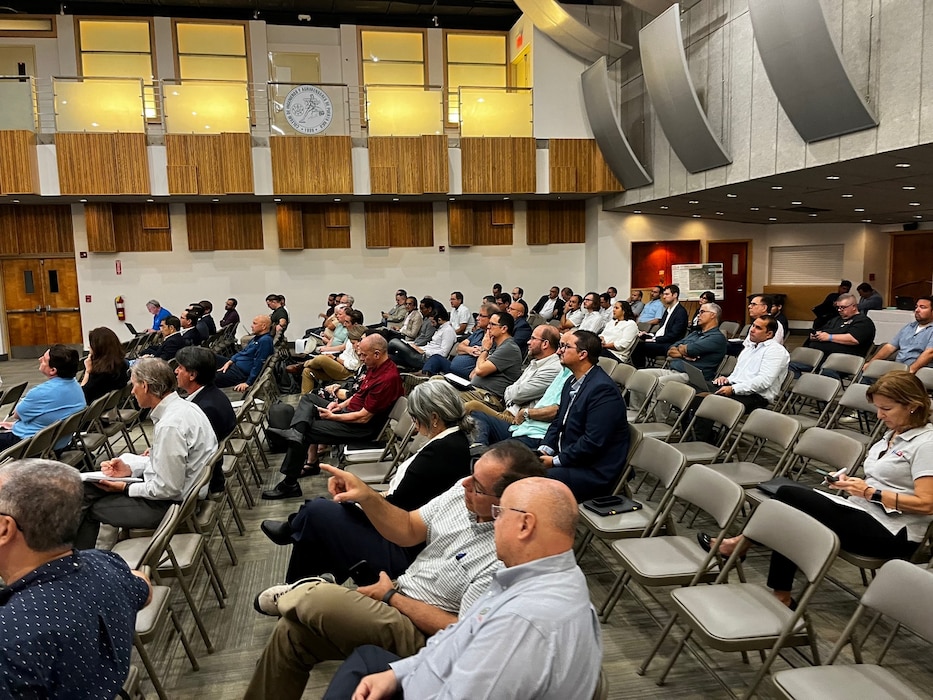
(363, 574)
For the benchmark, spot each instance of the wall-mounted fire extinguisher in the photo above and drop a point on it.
(120, 307)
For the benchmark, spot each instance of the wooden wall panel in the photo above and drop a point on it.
(383, 179)
(311, 165)
(556, 222)
(19, 163)
(288, 223)
(237, 163)
(409, 165)
(36, 230)
(182, 179)
(205, 154)
(86, 163)
(100, 231)
(326, 225)
(407, 225)
(498, 165)
(435, 167)
(200, 226)
(142, 228)
(410, 160)
(237, 227)
(209, 163)
(337, 216)
(577, 165)
(9, 240)
(131, 164)
(480, 223)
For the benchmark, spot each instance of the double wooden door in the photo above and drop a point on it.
(42, 306)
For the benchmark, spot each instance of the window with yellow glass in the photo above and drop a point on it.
(116, 48)
(212, 51)
(392, 57)
(473, 60)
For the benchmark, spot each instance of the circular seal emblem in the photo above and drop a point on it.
(308, 109)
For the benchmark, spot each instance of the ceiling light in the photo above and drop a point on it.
(694, 201)
(664, 206)
(859, 209)
(908, 187)
(638, 211)
(902, 165)
(832, 177)
(798, 202)
(505, 198)
(732, 195)
(776, 187)
(812, 214)
(918, 216)
(150, 200)
(754, 208)
(866, 221)
(848, 195)
(719, 213)
(82, 200)
(771, 218)
(277, 199)
(914, 204)
(215, 200)
(696, 216)
(336, 199)
(452, 199)
(395, 199)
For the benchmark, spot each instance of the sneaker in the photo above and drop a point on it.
(267, 602)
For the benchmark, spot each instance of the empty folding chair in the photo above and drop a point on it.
(811, 399)
(380, 472)
(846, 366)
(902, 592)
(764, 430)
(381, 448)
(925, 375)
(807, 356)
(677, 560)
(877, 368)
(861, 413)
(746, 616)
(638, 390)
(725, 415)
(665, 417)
(10, 398)
(622, 372)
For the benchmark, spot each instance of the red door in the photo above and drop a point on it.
(734, 258)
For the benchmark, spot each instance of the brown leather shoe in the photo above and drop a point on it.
(294, 369)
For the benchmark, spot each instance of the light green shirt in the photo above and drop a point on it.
(537, 428)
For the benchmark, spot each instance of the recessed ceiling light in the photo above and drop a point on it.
(866, 221)
(694, 201)
(908, 187)
(336, 199)
(848, 195)
(719, 213)
(859, 209)
(215, 200)
(776, 187)
(452, 199)
(15, 201)
(732, 195)
(638, 211)
(812, 214)
(277, 199)
(507, 198)
(797, 202)
(664, 206)
(754, 208)
(832, 177)
(395, 199)
(696, 216)
(82, 200)
(918, 216)
(772, 218)
(902, 165)
(914, 204)
(150, 200)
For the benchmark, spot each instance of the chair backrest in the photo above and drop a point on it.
(622, 372)
(189, 501)
(93, 412)
(639, 388)
(635, 437)
(761, 428)
(671, 402)
(41, 443)
(729, 328)
(816, 387)
(660, 460)
(14, 451)
(399, 408)
(831, 448)
(895, 591)
(801, 538)
(607, 363)
(925, 375)
(712, 492)
(843, 363)
(876, 368)
(727, 366)
(855, 398)
(807, 356)
(10, 398)
(153, 553)
(70, 426)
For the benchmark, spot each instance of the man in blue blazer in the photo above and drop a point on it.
(673, 328)
(586, 445)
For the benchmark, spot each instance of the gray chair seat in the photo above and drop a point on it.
(697, 451)
(658, 431)
(149, 616)
(662, 559)
(740, 615)
(844, 682)
(618, 526)
(743, 473)
(807, 421)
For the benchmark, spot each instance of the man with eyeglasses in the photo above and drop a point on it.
(468, 349)
(533, 635)
(850, 333)
(498, 364)
(758, 305)
(593, 320)
(320, 621)
(573, 313)
(703, 348)
(549, 306)
(411, 326)
(587, 443)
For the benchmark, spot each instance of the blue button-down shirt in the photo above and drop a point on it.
(910, 342)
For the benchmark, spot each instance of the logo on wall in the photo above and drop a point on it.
(308, 109)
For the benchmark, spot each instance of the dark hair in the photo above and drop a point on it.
(604, 297)
(441, 313)
(708, 297)
(590, 343)
(504, 319)
(45, 497)
(233, 299)
(521, 292)
(429, 303)
(195, 311)
(414, 299)
(63, 360)
(272, 297)
(674, 289)
(108, 356)
(771, 323)
(457, 295)
(767, 299)
(520, 462)
(172, 321)
(354, 315)
(925, 298)
(401, 292)
(578, 298)
(864, 287)
(504, 298)
(550, 335)
(496, 286)
(199, 361)
(627, 313)
(490, 299)
(206, 305)
(845, 283)
(904, 388)
(568, 290)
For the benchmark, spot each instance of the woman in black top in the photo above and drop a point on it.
(105, 368)
(330, 537)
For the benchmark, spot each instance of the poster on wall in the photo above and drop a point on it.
(696, 278)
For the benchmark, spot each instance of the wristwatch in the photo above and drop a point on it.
(876, 496)
(527, 414)
(388, 596)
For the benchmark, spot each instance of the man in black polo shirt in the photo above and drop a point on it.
(850, 333)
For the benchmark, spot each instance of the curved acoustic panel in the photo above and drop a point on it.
(668, 82)
(806, 70)
(570, 33)
(600, 111)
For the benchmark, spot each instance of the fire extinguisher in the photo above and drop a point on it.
(120, 307)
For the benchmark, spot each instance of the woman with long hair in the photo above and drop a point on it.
(105, 367)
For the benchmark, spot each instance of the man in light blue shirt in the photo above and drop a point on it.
(654, 309)
(914, 342)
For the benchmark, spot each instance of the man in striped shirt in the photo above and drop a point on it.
(321, 621)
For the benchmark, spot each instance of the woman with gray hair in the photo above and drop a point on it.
(330, 537)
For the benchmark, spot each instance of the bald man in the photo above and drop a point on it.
(533, 634)
(241, 370)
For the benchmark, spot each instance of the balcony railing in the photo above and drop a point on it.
(18, 107)
(297, 109)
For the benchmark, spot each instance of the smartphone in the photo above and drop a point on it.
(363, 574)
(831, 478)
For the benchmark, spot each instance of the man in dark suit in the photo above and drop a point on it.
(190, 326)
(172, 339)
(673, 327)
(207, 318)
(550, 306)
(195, 373)
(587, 443)
(518, 310)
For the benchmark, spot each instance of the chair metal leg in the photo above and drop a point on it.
(615, 593)
(670, 663)
(216, 582)
(186, 590)
(192, 659)
(643, 669)
(225, 536)
(150, 669)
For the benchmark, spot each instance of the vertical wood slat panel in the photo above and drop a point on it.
(101, 237)
(480, 223)
(410, 163)
(154, 216)
(85, 163)
(503, 214)
(383, 165)
(200, 226)
(604, 180)
(237, 227)
(383, 179)
(9, 240)
(378, 225)
(498, 165)
(337, 216)
(326, 225)
(207, 156)
(237, 163)
(288, 221)
(537, 224)
(407, 225)
(182, 176)
(311, 164)
(135, 228)
(523, 166)
(131, 164)
(434, 164)
(19, 162)
(36, 230)
(460, 223)
(556, 222)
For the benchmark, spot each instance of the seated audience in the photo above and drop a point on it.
(55, 399)
(67, 617)
(206, 318)
(327, 367)
(620, 334)
(868, 298)
(826, 311)
(398, 348)
(320, 621)
(441, 343)
(411, 325)
(517, 294)
(182, 443)
(672, 328)
(654, 309)
(360, 417)
(172, 340)
(498, 364)
(540, 598)
(231, 315)
(573, 313)
(777, 311)
(593, 320)
(888, 511)
(461, 319)
(705, 298)
(521, 332)
(279, 316)
(851, 333)
(635, 301)
(605, 306)
(158, 315)
(189, 319)
(467, 350)
(105, 367)
(586, 445)
(330, 537)
(241, 370)
(704, 348)
(550, 306)
(758, 305)
(913, 344)
(394, 317)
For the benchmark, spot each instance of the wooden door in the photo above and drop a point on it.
(911, 265)
(734, 258)
(42, 309)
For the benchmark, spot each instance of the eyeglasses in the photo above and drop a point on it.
(478, 488)
(565, 346)
(497, 510)
(482, 315)
(843, 306)
(497, 325)
(756, 303)
(13, 518)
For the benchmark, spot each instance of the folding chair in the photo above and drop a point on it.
(745, 616)
(878, 368)
(622, 372)
(810, 399)
(638, 390)
(725, 415)
(381, 448)
(727, 366)
(729, 329)
(902, 592)
(607, 364)
(762, 430)
(925, 375)
(854, 405)
(807, 356)
(10, 398)
(671, 402)
(846, 365)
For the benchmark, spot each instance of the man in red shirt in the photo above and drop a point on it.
(358, 418)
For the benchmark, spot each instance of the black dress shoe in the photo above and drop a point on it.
(282, 490)
(706, 542)
(288, 434)
(278, 531)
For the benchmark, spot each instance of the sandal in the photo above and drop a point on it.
(310, 469)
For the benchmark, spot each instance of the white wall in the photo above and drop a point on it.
(558, 91)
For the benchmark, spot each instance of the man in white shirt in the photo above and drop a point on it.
(550, 306)
(573, 313)
(593, 320)
(441, 343)
(461, 320)
(759, 373)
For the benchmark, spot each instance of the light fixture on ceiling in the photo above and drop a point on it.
(918, 216)
(832, 177)
(337, 199)
(797, 202)
(637, 211)
(277, 199)
(908, 187)
(772, 218)
(914, 204)
(848, 195)
(754, 208)
(664, 206)
(720, 213)
(776, 187)
(395, 199)
(694, 201)
(902, 165)
(866, 221)
(732, 195)
(696, 216)
(812, 214)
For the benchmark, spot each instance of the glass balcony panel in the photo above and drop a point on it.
(307, 112)
(17, 105)
(404, 111)
(491, 112)
(99, 105)
(196, 107)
